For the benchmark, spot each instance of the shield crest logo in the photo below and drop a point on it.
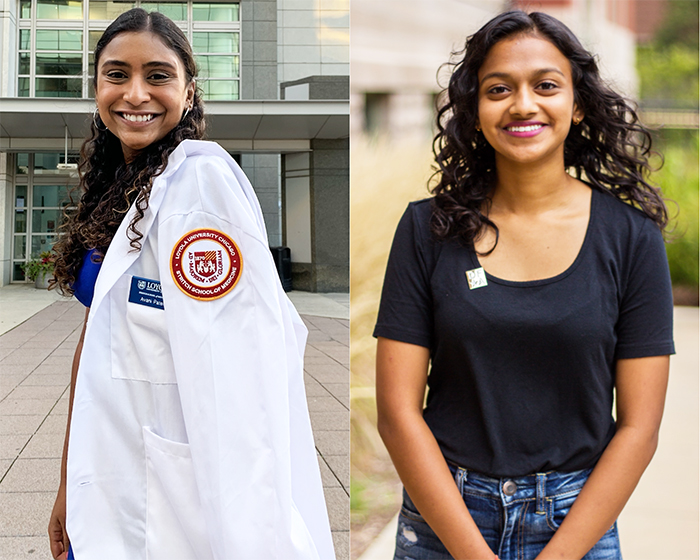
(206, 263)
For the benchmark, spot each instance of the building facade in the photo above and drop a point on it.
(275, 79)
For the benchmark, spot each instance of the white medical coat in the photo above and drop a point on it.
(190, 437)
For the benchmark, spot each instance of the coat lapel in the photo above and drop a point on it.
(121, 255)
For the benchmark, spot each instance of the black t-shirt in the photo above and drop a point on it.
(522, 373)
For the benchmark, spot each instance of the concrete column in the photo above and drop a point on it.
(296, 182)
(259, 49)
(329, 189)
(6, 218)
(263, 170)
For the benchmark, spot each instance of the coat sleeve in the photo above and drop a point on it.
(238, 363)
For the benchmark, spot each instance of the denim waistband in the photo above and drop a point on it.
(538, 486)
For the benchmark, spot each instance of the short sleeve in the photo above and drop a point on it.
(405, 310)
(645, 323)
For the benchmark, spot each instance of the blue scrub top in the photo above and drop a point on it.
(84, 285)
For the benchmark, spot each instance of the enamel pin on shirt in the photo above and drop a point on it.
(476, 278)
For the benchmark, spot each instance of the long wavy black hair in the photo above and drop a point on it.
(108, 185)
(610, 148)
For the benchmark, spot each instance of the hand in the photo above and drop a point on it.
(58, 537)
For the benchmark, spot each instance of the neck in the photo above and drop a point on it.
(527, 188)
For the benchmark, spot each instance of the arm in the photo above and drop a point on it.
(57, 524)
(641, 390)
(402, 371)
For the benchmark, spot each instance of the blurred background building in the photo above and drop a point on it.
(398, 45)
(275, 78)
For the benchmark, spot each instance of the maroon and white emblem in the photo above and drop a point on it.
(206, 264)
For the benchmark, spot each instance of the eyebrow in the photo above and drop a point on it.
(505, 75)
(155, 63)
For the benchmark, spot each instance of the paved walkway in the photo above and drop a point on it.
(660, 522)
(41, 331)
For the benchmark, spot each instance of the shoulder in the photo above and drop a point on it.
(417, 217)
(203, 177)
(622, 220)
(197, 155)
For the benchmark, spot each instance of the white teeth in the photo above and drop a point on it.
(137, 118)
(524, 128)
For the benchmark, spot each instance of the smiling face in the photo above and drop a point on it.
(141, 90)
(526, 101)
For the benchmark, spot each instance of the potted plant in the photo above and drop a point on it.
(40, 269)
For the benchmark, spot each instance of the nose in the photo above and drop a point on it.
(524, 103)
(136, 91)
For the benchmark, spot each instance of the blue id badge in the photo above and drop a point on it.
(146, 292)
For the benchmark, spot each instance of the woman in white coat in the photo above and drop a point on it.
(188, 435)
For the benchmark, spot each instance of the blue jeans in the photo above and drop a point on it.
(517, 517)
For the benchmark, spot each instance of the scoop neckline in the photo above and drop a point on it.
(543, 281)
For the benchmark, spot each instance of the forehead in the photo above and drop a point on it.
(137, 48)
(524, 54)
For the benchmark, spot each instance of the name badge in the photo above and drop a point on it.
(476, 278)
(146, 292)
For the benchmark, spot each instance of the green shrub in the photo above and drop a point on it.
(678, 179)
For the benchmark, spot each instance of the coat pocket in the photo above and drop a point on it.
(140, 346)
(175, 526)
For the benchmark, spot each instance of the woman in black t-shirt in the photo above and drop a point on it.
(532, 295)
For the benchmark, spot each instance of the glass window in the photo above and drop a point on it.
(59, 87)
(22, 166)
(25, 9)
(24, 60)
(218, 66)
(47, 160)
(23, 87)
(17, 272)
(93, 37)
(46, 221)
(55, 64)
(20, 221)
(65, 9)
(177, 11)
(59, 40)
(50, 195)
(108, 10)
(215, 42)
(214, 12)
(21, 196)
(20, 251)
(24, 39)
(41, 243)
(220, 89)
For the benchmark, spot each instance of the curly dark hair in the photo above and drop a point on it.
(108, 185)
(610, 148)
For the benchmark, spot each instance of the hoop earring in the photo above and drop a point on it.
(95, 116)
(184, 115)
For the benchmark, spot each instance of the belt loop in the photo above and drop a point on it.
(541, 492)
(460, 475)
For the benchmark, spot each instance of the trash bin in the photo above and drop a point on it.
(283, 261)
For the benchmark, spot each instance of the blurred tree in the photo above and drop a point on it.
(668, 65)
(680, 26)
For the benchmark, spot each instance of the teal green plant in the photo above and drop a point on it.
(44, 263)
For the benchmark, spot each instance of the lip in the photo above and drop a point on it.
(533, 128)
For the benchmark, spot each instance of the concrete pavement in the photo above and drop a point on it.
(38, 334)
(660, 521)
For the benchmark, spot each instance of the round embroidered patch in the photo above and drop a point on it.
(206, 264)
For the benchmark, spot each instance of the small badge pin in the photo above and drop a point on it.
(476, 278)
